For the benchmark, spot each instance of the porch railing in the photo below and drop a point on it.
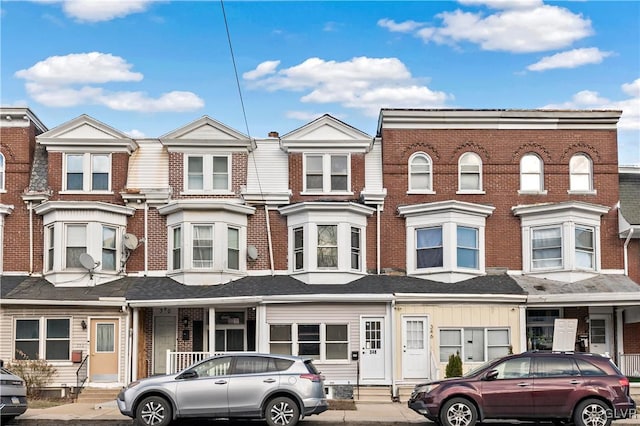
(81, 375)
(630, 365)
(178, 361)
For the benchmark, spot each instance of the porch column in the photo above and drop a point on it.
(262, 330)
(134, 345)
(523, 329)
(212, 330)
(619, 334)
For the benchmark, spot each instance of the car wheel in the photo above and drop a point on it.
(458, 412)
(592, 413)
(153, 411)
(281, 411)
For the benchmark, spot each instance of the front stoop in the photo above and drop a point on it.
(97, 395)
(372, 394)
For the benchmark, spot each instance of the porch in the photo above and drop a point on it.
(630, 365)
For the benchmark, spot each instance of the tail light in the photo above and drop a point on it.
(312, 377)
(624, 382)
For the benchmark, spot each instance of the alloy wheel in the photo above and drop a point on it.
(459, 414)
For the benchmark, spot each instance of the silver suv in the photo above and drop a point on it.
(280, 389)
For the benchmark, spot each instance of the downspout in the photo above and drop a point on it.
(128, 360)
(626, 252)
(269, 242)
(146, 234)
(378, 239)
(30, 208)
(394, 389)
(134, 343)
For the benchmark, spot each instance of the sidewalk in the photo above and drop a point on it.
(388, 414)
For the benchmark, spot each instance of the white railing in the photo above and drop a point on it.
(178, 361)
(630, 365)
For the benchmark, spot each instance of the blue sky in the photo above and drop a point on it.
(149, 67)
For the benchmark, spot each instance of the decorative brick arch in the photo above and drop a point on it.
(7, 152)
(536, 148)
(580, 147)
(427, 148)
(470, 147)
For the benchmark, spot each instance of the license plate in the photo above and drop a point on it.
(15, 400)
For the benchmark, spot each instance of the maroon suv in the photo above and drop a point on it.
(587, 389)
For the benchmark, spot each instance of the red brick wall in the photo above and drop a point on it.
(17, 144)
(239, 162)
(631, 338)
(501, 151)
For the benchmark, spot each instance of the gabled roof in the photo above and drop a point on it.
(204, 133)
(326, 132)
(84, 134)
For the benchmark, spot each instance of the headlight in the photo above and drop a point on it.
(425, 388)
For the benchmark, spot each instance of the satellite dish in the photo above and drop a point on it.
(130, 241)
(252, 252)
(87, 261)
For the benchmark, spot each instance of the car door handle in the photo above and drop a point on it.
(220, 382)
(269, 380)
(574, 382)
(523, 384)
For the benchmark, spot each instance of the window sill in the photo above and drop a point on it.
(326, 193)
(470, 191)
(527, 192)
(208, 192)
(574, 192)
(424, 192)
(77, 192)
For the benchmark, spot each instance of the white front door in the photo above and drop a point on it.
(164, 337)
(600, 333)
(372, 348)
(415, 349)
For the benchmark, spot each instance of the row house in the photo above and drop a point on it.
(467, 231)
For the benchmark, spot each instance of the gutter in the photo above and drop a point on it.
(463, 298)
(626, 252)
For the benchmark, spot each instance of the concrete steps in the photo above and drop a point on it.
(372, 394)
(97, 395)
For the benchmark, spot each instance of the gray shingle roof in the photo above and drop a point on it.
(630, 197)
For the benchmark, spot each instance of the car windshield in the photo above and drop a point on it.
(478, 369)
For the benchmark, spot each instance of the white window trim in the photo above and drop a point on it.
(323, 340)
(479, 190)
(172, 247)
(42, 337)
(541, 190)
(3, 173)
(87, 174)
(326, 174)
(449, 215)
(591, 190)
(568, 216)
(462, 340)
(410, 189)
(191, 238)
(207, 174)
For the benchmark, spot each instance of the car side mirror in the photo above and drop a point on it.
(189, 374)
(491, 375)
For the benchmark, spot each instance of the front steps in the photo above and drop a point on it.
(97, 395)
(372, 394)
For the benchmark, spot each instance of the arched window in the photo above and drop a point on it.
(2, 172)
(580, 173)
(420, 173)
(470, 172)
(531, 174)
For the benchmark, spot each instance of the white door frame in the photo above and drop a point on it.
(422, 356)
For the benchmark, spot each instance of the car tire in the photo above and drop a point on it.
(458, 412)
(592, 412)
(153, 411)
(281, 411)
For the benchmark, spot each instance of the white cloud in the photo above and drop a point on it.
(75, 79)
(399, 27)
(136, 134)
(587, 99)
(100, 10)
(265, 68)
(93, 67)
(520, 30)
(362, 83)
(303, 115)
(570, 59)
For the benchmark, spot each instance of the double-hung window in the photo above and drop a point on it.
(202, 246)
(50, 247)
(585, 248)
(468, 249)
(580, 173)
(309, 340)
(108, 248)
(324, 342)
(298, 249)
(233, 248)
(531, 176)
(420, 175)
(327, 246)
(2, 172)
(208, 173)
(546, 247)
(327, 173)
(176, 250)
(355, 248)
(87, 172)
(76, 244)
(429, 248)
(470, 172)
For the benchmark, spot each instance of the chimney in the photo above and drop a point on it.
(273, 134)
